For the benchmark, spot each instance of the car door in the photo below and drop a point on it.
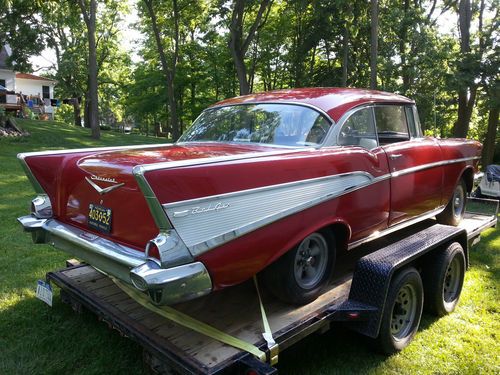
(367, 209)
(414, 163)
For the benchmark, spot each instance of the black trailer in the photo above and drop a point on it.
(378, 295)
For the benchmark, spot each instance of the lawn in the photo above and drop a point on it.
(36, 339)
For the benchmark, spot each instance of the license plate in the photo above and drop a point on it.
(99, 218)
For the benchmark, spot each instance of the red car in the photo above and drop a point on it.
(278, 182)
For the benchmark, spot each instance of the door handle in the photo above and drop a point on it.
(395, 156)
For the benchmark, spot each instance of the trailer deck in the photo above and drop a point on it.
(234, 310)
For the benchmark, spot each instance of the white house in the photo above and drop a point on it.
(23, 83)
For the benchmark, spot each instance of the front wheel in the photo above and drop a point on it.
(402, 311)
(299, 276)
(455, 209)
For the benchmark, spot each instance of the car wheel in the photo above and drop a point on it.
(455, 209)
(402, 311)
(443, 279)
(299, 276)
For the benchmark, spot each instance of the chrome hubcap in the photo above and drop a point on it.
(310, 261)
(451, 281)
(403, 312)
(458, 201)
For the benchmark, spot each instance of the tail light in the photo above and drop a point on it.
(41, 207)
(152, 250)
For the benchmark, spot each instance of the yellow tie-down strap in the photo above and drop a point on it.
(191, 323)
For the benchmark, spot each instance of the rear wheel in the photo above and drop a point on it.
(402, 311)
(299, 276)
(443, 279)
(454, 211)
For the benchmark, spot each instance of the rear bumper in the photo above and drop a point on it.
(164, 285)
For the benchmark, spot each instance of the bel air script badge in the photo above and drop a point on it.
(201, 210)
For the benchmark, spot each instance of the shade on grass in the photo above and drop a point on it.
(36, 339)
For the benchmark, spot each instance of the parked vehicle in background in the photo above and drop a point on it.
(489, 186)
(279, 182)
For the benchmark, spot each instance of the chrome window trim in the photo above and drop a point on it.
(399, 226)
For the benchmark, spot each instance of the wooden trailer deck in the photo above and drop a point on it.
(234, 310)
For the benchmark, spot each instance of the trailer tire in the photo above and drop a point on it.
(402, 312)
(455, 209)
(443, 279)
(291, 284)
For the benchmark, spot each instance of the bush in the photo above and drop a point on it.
(65, 114)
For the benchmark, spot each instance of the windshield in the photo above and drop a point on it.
(278, 124)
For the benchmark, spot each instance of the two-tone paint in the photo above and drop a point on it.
(239, 207)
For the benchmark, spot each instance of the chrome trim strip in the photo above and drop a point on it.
(417, 168)
(90, 149)
(154, 205)
(396, 227)
(31, 177)
(178, 210)
(197, 225)
(218, 159)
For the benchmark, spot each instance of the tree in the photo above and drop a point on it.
(238, 43)
(89, 11)
(373, 43)
(168, 65)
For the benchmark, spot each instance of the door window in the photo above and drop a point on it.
(359, 130)
(391, 124)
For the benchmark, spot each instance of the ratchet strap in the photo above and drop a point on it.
(194, 324)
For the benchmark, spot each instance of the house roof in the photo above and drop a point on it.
(32, 76)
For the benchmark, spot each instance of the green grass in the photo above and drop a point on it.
(36, 339)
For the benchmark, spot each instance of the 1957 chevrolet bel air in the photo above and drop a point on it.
(278, 182)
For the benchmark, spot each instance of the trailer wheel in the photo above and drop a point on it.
(443, 279)
(454, 211)
(299, 276)
(402, 311)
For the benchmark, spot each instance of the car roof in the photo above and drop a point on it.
(334, 101)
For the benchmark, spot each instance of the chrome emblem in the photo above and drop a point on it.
(99, 189)
(201, 210)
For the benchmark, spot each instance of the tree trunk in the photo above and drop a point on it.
(239, 45)
(168, 70)
(402, 48)
(89, 17)
(77, 111)
(345, 55)
(491, 135)
(466, 91)
(373, 43)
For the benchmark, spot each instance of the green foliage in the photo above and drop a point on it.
(35, 339)
(65, 114)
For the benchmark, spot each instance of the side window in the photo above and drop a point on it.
(391, 124)
(418, 125)
(411, 122)
(359, 130)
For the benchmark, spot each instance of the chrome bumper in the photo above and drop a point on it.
(164, 285)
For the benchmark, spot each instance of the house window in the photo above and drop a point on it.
(46, 92)
(3, 98)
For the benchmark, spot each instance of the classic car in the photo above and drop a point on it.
(276, 183)
(489, 185)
